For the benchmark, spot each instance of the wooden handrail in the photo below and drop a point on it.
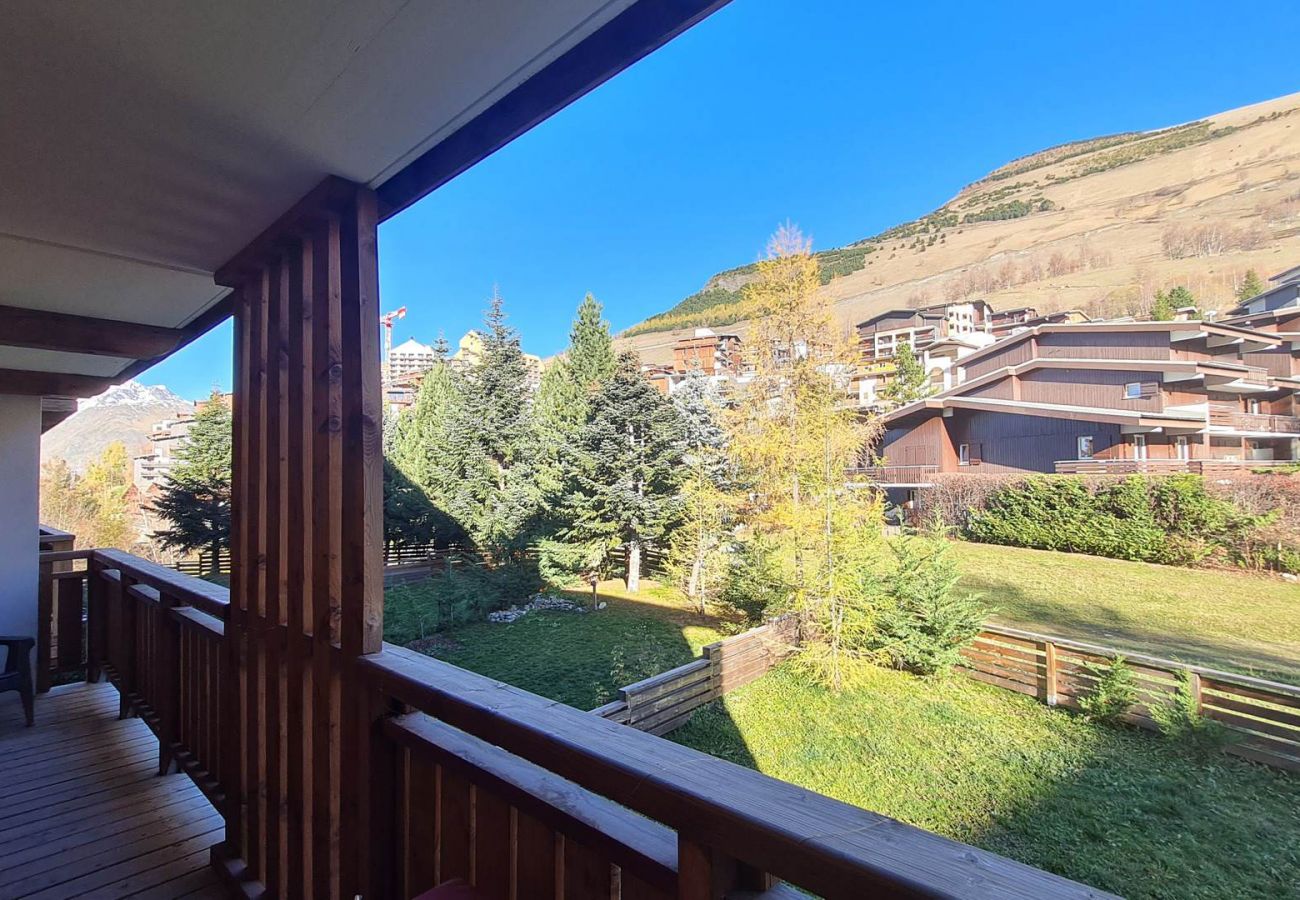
(812, 841)
(188, 590)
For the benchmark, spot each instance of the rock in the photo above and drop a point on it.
(536, 602)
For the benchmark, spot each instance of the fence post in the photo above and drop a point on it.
(1194, 684)
(96, 620)
(1049, 673)
(168, 684)
(44, 624)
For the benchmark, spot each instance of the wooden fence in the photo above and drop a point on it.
(666, 701)
(1262, 717)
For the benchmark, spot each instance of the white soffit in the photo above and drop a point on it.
(146, 143)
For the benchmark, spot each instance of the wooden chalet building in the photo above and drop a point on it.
(1118, 397)
(172, 167)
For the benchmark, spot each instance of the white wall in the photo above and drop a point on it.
(20, 470)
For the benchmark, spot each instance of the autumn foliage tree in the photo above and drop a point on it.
(794, 436)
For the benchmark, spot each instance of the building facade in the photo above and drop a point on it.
(1064, 398)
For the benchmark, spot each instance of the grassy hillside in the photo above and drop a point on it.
(1098, 224)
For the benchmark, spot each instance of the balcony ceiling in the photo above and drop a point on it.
(146, 143)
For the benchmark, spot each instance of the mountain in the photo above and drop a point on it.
(125, 412)
(1097, 225)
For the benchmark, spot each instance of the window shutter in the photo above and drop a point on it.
(976, 454)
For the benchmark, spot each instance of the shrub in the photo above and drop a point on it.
(923, 624)
(1181, 718)
(755, 585)
(1171, 519)
(1112, 694)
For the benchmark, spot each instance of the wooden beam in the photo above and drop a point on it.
(43, 330)
(61, 384)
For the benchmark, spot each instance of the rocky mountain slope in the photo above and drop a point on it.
(1098, 225)
(125, 412)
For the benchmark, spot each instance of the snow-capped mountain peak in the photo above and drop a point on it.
(133, 393)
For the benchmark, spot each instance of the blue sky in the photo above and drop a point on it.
(843, 116)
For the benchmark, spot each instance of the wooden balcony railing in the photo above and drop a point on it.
(895, 474)
(467, 777)
(1243, 421)
(1163, 466)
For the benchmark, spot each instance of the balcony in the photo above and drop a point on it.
(1164, 466)
(461, 777)
(1254, 422)
(900, 476)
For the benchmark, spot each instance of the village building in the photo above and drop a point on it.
(1107, 397)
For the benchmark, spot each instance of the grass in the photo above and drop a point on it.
(1229, 620)
(583, 658)
(1121, 810)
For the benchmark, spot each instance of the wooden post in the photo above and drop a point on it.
(307, 548)
(96, 621)
(705, 874)
(1194, 684)
(169, 676)
(44, 625)
(1049, 673)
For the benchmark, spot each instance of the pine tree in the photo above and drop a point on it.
(1162, 308)
(909, 382)
(195, 499)
(624, 487)
(1251, 286)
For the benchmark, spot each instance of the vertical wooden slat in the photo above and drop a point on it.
(44, 624)
(453, 837)
(490, 869)
(298, 568)
(276, 528)
(420, 804)
(1049, 673)
(587, 874)
(534, 849)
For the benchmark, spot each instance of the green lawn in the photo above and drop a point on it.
(1229, 620)
(582, 658)
(1124, 811)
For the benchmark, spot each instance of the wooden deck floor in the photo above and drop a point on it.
(83, 812)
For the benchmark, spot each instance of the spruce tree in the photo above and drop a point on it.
(195, 499)
(910, 382)
(494, 442)
(591, 358)
(1251, 286)
(701, 547)
(1162, 308)
(625, 483)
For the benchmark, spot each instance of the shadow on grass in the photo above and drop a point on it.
(1109, 627)
(583, 658)
(1125, 811)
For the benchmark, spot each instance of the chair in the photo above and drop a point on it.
(17, 674)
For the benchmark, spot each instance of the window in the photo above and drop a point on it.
(1133, 390)
(1085, 446)
(1139, 446)
(1253, 407)
(1180, 445)
(963, 454)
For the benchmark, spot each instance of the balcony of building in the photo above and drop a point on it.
(1230, 419)
(137, 765)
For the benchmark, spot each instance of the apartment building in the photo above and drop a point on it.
(939, 335)
(717, 356)
(1108, 397)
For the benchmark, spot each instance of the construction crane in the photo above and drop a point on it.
(386, 320)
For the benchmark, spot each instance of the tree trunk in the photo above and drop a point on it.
(634, 566)
(216, 558)
(693, 584)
